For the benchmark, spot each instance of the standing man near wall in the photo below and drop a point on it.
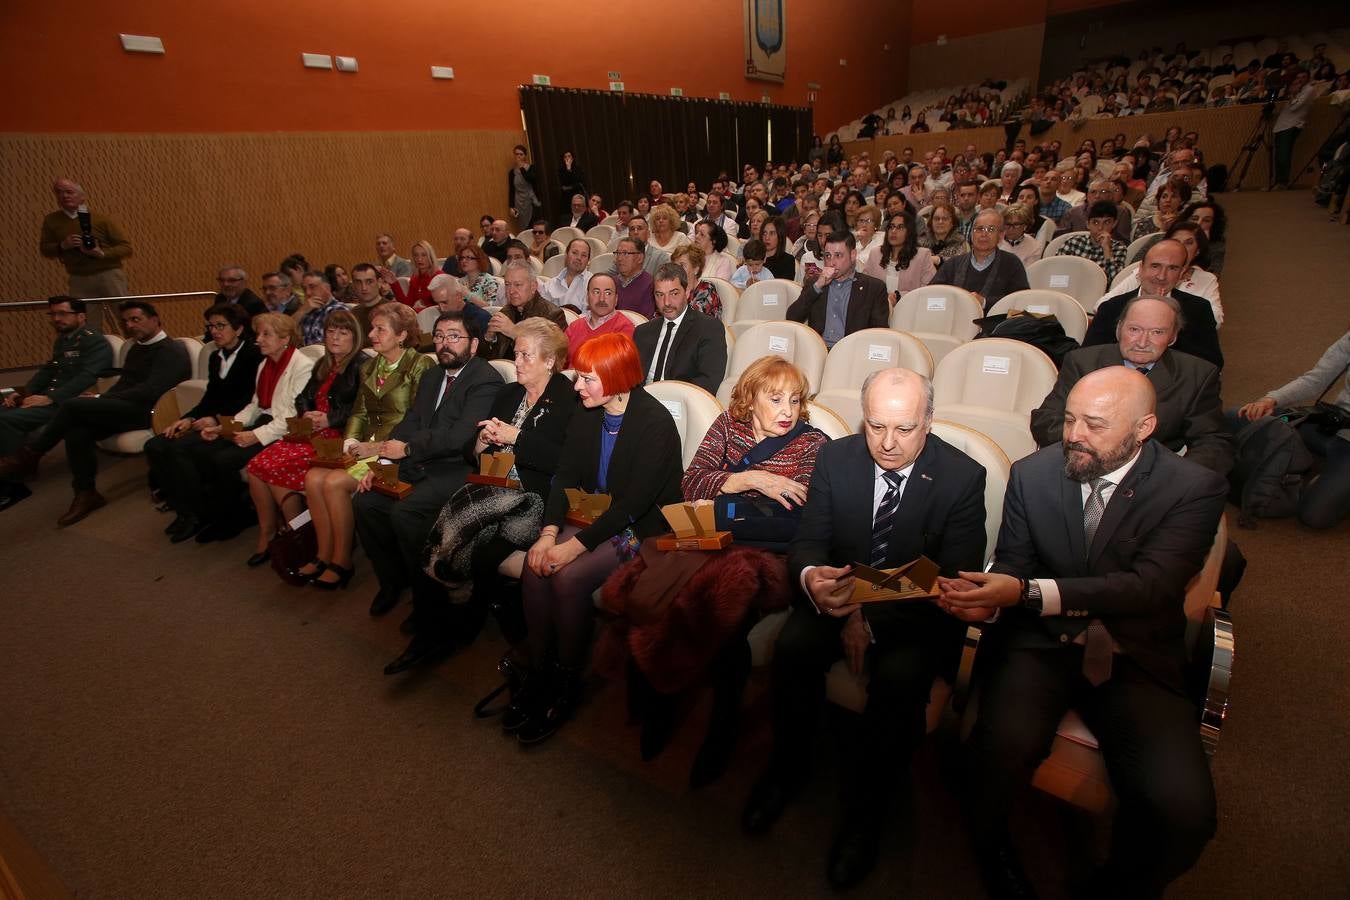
(95, 271)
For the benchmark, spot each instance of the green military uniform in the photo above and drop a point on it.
(78, 359)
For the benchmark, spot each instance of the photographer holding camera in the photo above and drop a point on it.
(1290, 124)
(89, 245)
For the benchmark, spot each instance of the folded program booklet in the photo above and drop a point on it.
(915, 580)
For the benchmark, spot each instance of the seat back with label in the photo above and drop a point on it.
(693, 410)
(1072, 318)
(1082, 279)
(992, 385)
(941, 316)
(795, 342)
(858, 355)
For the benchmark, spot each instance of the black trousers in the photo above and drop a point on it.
(197, 477)
(16, 424)
(81, 422)
(901, 668)
(1148, 734)
(394, 535)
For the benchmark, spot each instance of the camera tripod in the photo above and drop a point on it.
(1262, 135)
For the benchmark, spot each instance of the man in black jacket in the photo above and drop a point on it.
(428, 446)
(579, 216)
(154, 363)
(233, 283)
(986, 271)
(883, 498)
(681, 344)
(841, 300)
(1101, 535)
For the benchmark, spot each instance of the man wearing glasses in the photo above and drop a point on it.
(79, 356)
(635, 284)
(986, 271)
(428, 446)
(280, 293)
(232, 281)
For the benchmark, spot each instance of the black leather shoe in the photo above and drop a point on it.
(385, 600)
(13, 494)
(1003, 875)
(767, 799)
(258, 559)
(852, 857)
(421, 651)
(188, 527)
(221, 530)
(176, 524)
(344, 577)
(545, 721)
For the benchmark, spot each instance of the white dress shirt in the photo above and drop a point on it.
(652, 374)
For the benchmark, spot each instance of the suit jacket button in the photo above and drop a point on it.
(1063, 638)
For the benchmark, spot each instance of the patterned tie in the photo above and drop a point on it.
(659, 373)
(881, 526)
(445, 390)
(1097, 650)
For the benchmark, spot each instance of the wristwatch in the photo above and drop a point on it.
(1031, 596)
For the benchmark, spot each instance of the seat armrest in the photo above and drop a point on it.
(966, 668)
(1214, 706)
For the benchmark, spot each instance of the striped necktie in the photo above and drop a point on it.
(1097, 647)
(881, 525)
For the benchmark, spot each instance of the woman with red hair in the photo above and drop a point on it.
(623, 443)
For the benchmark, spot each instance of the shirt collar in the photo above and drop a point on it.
(69, 214)
(154, 340)
(677, 320)
(594, 323)
(1118, 475)
(878, 472)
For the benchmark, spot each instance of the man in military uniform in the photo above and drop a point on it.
(79, 356)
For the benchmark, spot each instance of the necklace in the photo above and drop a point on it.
(384, 368)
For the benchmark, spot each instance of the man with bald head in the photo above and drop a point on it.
(1189, 409)
(882, 498)
(1101, 534)
(461, 239)
(1158, 276)
(90, 245)
(499, 235)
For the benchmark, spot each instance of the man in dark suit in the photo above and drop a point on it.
(1158, 276)
(579, 216)
(1100, 536)
(681, 344)
(841, 300)
(986, 271)
(429, 448)
(883, 498)
(233, 283)
(1189, 410)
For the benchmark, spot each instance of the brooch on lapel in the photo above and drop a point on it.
(534, 419)
(925, 476)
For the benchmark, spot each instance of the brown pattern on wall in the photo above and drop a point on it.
(191, 202)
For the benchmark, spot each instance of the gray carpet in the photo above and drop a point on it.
(176, 725)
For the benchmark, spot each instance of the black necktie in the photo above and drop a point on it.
(881, 525)
(1143, 370)
(659, 373)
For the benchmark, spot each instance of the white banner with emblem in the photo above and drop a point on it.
(766, 40)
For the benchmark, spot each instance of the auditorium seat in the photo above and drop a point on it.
(1121, 276)
(1082, 279)
(597, 246)
(201, 368)
(727, 293)
(997, 468)
(859, 354)
(793, 341)
(570, 315)
(1066, 309)
(764, 301)
(941, 316)
(828, 420)
(169, 408)
(564, 234)
(1053, 246)
(553, 265)
(693, 410)
(1139, 245)
(600, 265)
(506, 369)
(604, 233)
(992, 385)
(636, 318)
(315, 351)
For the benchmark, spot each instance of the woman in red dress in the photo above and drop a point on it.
(418, 293)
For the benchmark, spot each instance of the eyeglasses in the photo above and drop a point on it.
(223, 280)
(443, 337)
(627, 253)
(217, 326)
(985, 229)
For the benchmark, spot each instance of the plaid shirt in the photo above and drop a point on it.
(312, 325)
(1083, 245)
(1055, 209)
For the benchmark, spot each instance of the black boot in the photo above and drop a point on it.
(527, 698)
(547, 718)
(513, 677)
(730, 670)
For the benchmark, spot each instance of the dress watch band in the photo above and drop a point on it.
(1031, 596)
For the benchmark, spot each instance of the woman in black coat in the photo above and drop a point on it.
(571, 180)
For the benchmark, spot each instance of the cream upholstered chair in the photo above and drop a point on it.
(764, 301)
(565, 233)
(793, 341)
(997, 469)
(1122, 275)
(168, 409)
(1053, 245)
(570, 315)
(941, 316)
(603, 233)
(597, 246)
(526, 237)
(1082, 279)
(636, 318)
(553, 265)
(495, 265)
(119, 347)
(506, 369)
(315, 351)
(859, 354)
(536, 266)
(1066, 309)
(992, 385)
(201, 363)
(600, 265)
(1140, 245)
(693, 410)
(727, 293)
(828, 420)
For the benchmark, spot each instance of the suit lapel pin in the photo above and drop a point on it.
(925, 476)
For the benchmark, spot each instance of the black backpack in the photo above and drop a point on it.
(1268, 474)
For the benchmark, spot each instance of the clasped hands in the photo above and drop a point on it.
(547, 556)
(970, 597)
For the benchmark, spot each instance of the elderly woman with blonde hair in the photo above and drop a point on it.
(666, 233)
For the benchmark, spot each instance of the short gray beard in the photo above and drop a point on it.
(1098, 465)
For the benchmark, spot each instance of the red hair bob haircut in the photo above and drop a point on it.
(613, 358)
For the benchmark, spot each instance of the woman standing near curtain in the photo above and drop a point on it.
(522, 189)
(571, 179)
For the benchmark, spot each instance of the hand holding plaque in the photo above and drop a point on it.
(230, 426)
(386, 480)
(916, 580)
(299, 429)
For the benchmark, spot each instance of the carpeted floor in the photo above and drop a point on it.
(174, 725)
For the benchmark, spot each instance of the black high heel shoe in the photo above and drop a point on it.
(296, 577)
(344, 577)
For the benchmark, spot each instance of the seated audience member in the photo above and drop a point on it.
(280, 294)
(1101, 191)
(623, 443)
(1010, 176)
(384, 392)
(278, 475)
(232, 281)
(715, 214)
(366, 285)
(1194, 278)
(966, 204)
(388, 257)
(231, 373)
(477, 280)
(449, 295)
(1188, 410)
(634, 283)
(339, 282)
(900, 262)
(207, 490)
(154, 363)
(1324, 501)
(623, 214)
(1017, 238)
(915, 190)
(761, 451)
(1099, 244)
(602, 314)
(522, 302)
(568, 287)
(885, 497)
(652, 257)
(516, 250)
(318, 305)
(428, 445)
(1172, 196)
(1066, 184)
(596, 204)
(841, 300)
(780, 263)
(497, 238)
(868, 235)
(79, 356)
(712, 240)
(577, 215)
(541, 246)
(702, 295)
(418, 293)
(681, 343)
(666, 234)
(1158, 276)
(942, 238)
(989, 193)
(461, 238)
(986, 271)
(481, 525)
(1095, 623)
(1213, 221)
(754, 253)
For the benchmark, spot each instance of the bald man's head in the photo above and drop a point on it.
(1108, 416)
(897, 413)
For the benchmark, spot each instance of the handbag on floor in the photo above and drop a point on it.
(294, 545)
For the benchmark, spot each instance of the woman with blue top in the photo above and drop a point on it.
(621, 442)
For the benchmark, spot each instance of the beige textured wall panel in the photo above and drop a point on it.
(1010, 54)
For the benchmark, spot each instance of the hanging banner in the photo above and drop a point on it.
(765, 40)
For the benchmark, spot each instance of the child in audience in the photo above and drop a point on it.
(753, 253)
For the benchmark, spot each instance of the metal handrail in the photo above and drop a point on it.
(16, 304)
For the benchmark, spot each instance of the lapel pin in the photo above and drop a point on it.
(925, 476)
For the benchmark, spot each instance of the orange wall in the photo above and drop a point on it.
(235, 65)
(975, 17)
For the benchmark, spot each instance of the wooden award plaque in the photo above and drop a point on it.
(328, 454)
(495, 469)
(584, 508)
(386, 480)
(693, 527)
(299, 430)
(916, 580)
